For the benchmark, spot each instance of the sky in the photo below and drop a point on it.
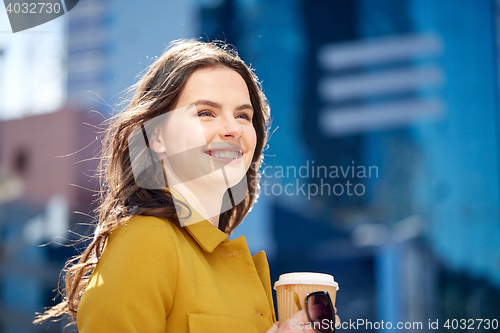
(32, 71)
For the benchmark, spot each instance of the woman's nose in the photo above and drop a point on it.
(230, 128)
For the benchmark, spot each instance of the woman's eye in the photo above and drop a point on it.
(204, 114)
(243, 116)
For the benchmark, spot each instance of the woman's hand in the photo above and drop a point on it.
(297, 323)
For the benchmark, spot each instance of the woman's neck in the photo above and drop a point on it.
(204, 197)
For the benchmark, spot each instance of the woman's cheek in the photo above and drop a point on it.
(253, 141)
(208, 133)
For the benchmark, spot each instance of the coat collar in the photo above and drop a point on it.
(203, 232)
(206, 235)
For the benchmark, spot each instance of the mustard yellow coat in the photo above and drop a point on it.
(156, 277)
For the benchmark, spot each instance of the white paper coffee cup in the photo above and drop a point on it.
(301, 283)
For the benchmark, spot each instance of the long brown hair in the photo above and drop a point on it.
(155, 94)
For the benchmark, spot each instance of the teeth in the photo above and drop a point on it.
(226, 154)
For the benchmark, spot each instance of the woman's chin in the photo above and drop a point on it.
(217, 179)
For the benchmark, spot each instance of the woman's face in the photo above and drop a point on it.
(210, 129)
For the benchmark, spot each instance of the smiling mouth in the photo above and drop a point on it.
(227, 154)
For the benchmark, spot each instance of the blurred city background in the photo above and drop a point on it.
(382, 168)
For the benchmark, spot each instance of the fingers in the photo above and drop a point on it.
(296, 323)
(273, 328)
(337, 319)
(292, 322)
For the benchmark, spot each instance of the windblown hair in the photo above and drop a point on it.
(120, 197)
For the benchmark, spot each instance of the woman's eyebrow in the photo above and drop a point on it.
(209, 103)
(219, 106)
(244, 107)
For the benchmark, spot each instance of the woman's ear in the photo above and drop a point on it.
(156, 142)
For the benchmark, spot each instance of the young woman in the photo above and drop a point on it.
(179, 173)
